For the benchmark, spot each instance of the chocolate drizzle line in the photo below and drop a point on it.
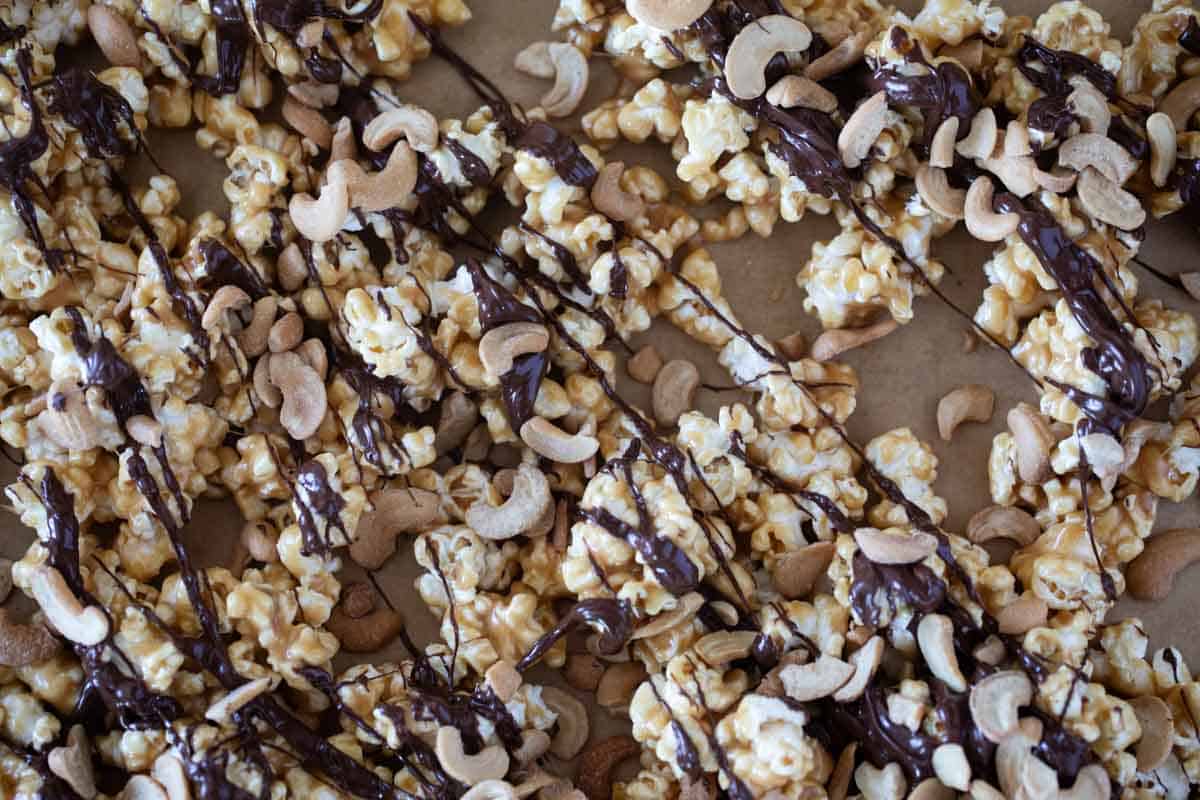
(612, 618)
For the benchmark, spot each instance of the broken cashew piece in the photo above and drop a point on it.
(846, 54)
(413, 123)
(391, 186)
(937, 193)
(224, 709)
(526, 505)
(995, 700)
(1090, 107)
(674, 391)
(832, 343)
(308, 122)
(941, 149)
(797, 91)
(1182, 102)
(1158, 731)
(971, 403)
(87, 626)
(935, 637)
(1022, 615)
(611, 200)
(1016, 139)
(1160, 130)
(552, 442)
(322, 218)
(667, 15)
(859, 133)
(500, 346)
(226, 300)
(393, 512)
(806, 682)
(1151, 575)
(1104, 200)
(888, 547)
(1004, 522)
(866, 661)
(73, 763)
(754, 47)
(1034, 441)
(490, 763)
(1096, 150)
(303, 393)
(168, 771)
(795, 573)
(564, 62)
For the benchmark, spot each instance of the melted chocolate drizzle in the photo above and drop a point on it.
(944, 91)
(222, 268)
(318, 500)
(612, 618)
(97, 111)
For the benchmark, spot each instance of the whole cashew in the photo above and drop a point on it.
(674, 391)
(1181, 103)
(846, 54)
(862, 129)
(143, 787)
(754, 47)
(832, 343)
(934, 188)
(971, 403)
(935, 637)
(223, 710)
(73, 763)
(226, 300)
(253, 339)
(1156, 720)
(113, 36)
(573, 727)
(797, 91)
(1008, 522)
(457, 420)
(321, 219)
(303, 391)
(1091, 107)
(392, 512)
(994, 702)
(168, 771)
(1096, 150)
(87, 626)
(611, 200)
(1151, 575)
(564, 62)
(307, 121)
(1034, 441)
(414, 123)
(500, 346)
(982, 221)
(528, 503)
(941, 148)
(1107, 202)
(797, 572)
(667, 15)
(389, 187)
(894, 546)
(1160, 130)
(980, 141)
(549, 441)
(490, 763)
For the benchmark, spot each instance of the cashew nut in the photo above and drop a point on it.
(564, 62)
(320, 220)
(935, 637)
(291, 271)
(980, 141)
(345, 145)
(552, 442)
(73, 763)
(303, 392)
(1157, 722)
(381, 190)
(643, 366)
(573, 727)
(528, 503)
(366, 634)
(797, 91)
(143, 787)
(893, 546)
(267, 394)
(1092, 781)
(253, 338)
(821, 678)
(754, 47)
(314, 94)
(67, 420)
(490, 763)
(86, 626)
(865, 661)
(168, 771)
(619, 682)
(286, 334)
(1019, 174)
(1016, 139)
(312, 351)
(843, 770)
(226, 300)
(1058, 180)
(500, 346)
(493, 790)
(796, 573)
(534, 745)
(414, 123)
(610, 199)
(1181, 103)
(722, 647)
(223, 710)
(1034, 441)
(1160, 130)
(970, 403)
(846, 54)
(457, 420)
(1097, 150)
(1107, 202)
(597, 763)
(937, 193)
(941, 148)
(886, 783)
(859, 133)
(1151, 575)
(1007, 522)
(393, 512)
(1020, 772)
(684, 610)
(995, 700)
(831, 344)
(1090, 106)
(113, 36)
(307, 121)
(667, 15)
(674, 391)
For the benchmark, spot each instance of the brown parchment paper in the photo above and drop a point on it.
(902, 376)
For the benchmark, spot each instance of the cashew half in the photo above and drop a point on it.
(1007, 522)
(1157, 722)
(935, 637)
(73, 763)
(722, 647)
(303, 391)
(754, 47)
(806, 682)
(674, 391)
(1097, 150)
(552, 442)
(1034, 441)
(611, 200)
(889, 547)
(667, 15)
(113, 36)
(168, 771)
(795, 573)
(980, 141)
(226, 300)
(457, 420)
(935, 190)
(500, 346)
(490, 763)
(1107, 202)
(1160, 130)
(414, 123)
(564, 62)
(223, 710)
(87, 626)
(862, 129)
(1016, 139)
(1017, 173)
(385, 189)
(308, 122)
(995, 700)
(1090, 106)
(797, 91)
(971, 403)
(866, 661)
(1151, 575)
(1181, 103)
(392, 512)
(321, 219)
(528, 503)
(573, 726)
(831, 344)
(846, 54)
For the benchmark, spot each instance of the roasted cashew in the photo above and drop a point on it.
(859, 133)
(597, 763)
(564, 62)
(674, 391)
(982, 221)
(502, 345)
(143, 787)
(797, 572)
(971, 403)
(1182, 102)
(886, 547)
(168, 771)
(995, 700)
(490, 763)
(1090, 106)
(307, 121)
(1017, 173)
(549, 441)
(643, 366)
(286, 334)
(87, 626)
(832, 343)
(1034, 441)
(846, 54)
(806, 682)
(935, 637)
(1151, 575)
(941, 149)
(1107, 202)
(866, 661)
(667, 15)
(980, 141)
(320, 220)
(392, 512)
(377, 191)
(1007, 522)
(457, 420)
(414, 123)
(936, 192)
(303, 392)
(519, 514)
(365, 634)
(722, 647)
(113, 36)
(253, 338)
(226, 300)
(573, 726)
(1157, 722)
(73, 763)
(754, 47)
(1096, 150)
(1160, 130)
(797, 91)
(611, 200)
(1016, 139)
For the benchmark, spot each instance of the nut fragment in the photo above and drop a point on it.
(1007, 522)
(617, 685)
(684, 610)
(314, 94)
(503, 679)
(1181, 103)
(393, 512)
(597, 763)
(493, 789)
(573, 727)
(303, 392)
(980, 141)
(549, 441)
(253, 339)
(941, 149)
(821, 678)
(113, 36)
(831, 344)
(1034, 441)
(413, 123)
(583, 671)
(73, 763)
(795, 573)
(1019, 174)
(754, 47)
(224, 709)
(1090, 106)
(266, 391)
(971, 403)
(490, 763)
(951, 766)
(168, 771)
(895, 547)
(87, 626)
(308, 122)
(1160, 130)
(643, 366)
(937, 193)
(995, 700)
(797, 91)
(1016, 139)
(313, 353)
(500, 346)
(385, 189)
(610, 199)
(1158, 731)
(721, 647)
(458, 417)
(528, 503)
(1109, 203)
(667, 15)
(1096, 150)
(846, 54)
(564, 62)
(843, 769)
(859, 133)
(1151, 575)
(865, 661)
(935, 637)
(887, 783)
(142, 787)
(291, 271)
(674, 391)
(286, 334)
(982, 220)
(259, 542)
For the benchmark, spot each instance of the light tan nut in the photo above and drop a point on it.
(617, 685)
(259, 542)
(308, 122)
(520, 514)
(982, 220)
(643, 366)
(1096, 150)
(321, 219)
(493, 789)
(859, 133)
(1034, 441)
(1016, 139)
(685, 609)
(266, 391)
(971, 403)
(932, 788)
(365, 634)
(223, 710)
(796, 573)
(143, 787)
(168, 771)
(73, 763)
(865, 661)
(345, 145)
(573, 727)
(225, 301)
(980, 140)
(67, 420)
(1105, 457)
(843, 770)
(415, 124)
(458, 417)
(1191, 283)
(1005, 522)
(991, 652)
(315, 94)
(286, 334)
(832, 343)
(490, 763)
(291, 271)
(846, 54)
(722, 647)
(1181, 103)
(312, 351)
(982, 790)
(797, 91)
(941, 149)
(597, 763)
(935, 637)
(793, 347)
(144, 430)
(1158, 731)
(534, 745)
(995, 700)
(887, 783)
(888, 547)
(1160, 131)
(500, 346)
(552, 442)
(563, 62)
(583, 671)
(937, 193)
(611, 200)
(86, 626)
(1057, 180)
(357, 600)
(503, 679)
(1090, 107)
(821, 678)
(1109, 203)
(1019, 174)
(754, 47)
(377, 191)
(772, 684)
(113, 36)
(1151, 575)
(303, 392)
(674, 391)
(667, 15)
(393, 512)
(951, 766)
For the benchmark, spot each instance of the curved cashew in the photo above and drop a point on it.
(73, 763)
(1017, 173)
(667, 15)
(674, 391)
(564, 62)
(941, 149)
(971, 403)
(520, 513)
(490, 763)
(168, 771)
(321, 219)
(1157, 722)
(1107, 202)
(1016, 139)
(1016, 767)
(684, 609)
(1090, 106)
(722, 647)
(934, 188)
(754, 47)
(414, 123)
(573, 726)
(980, 141)
(312, 351)
(982, 221)
(314, 94)
(887, 547)
(291, 269)
(1059, 181)
(1160, 130)
(365, 634)
(597, 763)
(552, 442)
(821, 678)
(253, 338)
(67, 420)
(935, 637)
(611, 200)
(267, 394)
(113, 36)
(308, 122)
(865, 661)
(1034, 441)
(1151, 575)
(831, 344)
(1007, 522)
(143, 787)
(797, 91)
(87, 626)
(227, 299)
(303, 392)
(621, 680)
(995, 700)
(797, 572)
(500, 346)
(951, 767)
(846, 54)
(22, 645)
(862, 129)
(1097, 150)
(381, 190)
(1181, 103)
(392, 512)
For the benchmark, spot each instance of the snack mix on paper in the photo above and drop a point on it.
(364, 366)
